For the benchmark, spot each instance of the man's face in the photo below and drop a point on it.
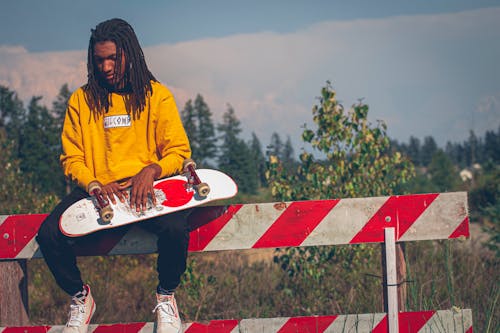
(105, 58)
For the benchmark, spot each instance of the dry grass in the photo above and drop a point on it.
(246, 284)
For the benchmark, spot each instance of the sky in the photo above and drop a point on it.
(424, 67)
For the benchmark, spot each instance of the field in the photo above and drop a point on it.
(248, 284)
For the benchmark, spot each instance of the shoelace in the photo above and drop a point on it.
(166, 311)
(77, 310)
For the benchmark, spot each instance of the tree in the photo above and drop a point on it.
(443, 174)
(197, 120)
(472, 149)
(287, 154)
(283, 151)
(453, 152)
(491, 147)
(359, 162)
(235, 156)
(414, 150)
(259, 159)
(188, 118)
(34, 136)
(207, 141)
(39, 149)
(358, 159)
(12, 115)
(230, 128)
(17, 192)
(59, 107)
(275, 147)
(429, 148)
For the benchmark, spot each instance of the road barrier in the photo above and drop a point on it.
(386, 220)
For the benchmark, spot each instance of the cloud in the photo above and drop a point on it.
(423, 75)
(40, 74)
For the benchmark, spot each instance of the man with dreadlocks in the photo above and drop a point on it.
(121, 129)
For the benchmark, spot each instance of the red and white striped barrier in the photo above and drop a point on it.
(270, 225)
(410, 322)
(282, 224)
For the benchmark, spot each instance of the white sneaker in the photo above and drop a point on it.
(167, 315)
(82, 309)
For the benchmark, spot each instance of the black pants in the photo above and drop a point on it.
(173, 238)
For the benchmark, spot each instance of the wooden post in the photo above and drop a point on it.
(402, 276)
(13, 293)
(390, 281)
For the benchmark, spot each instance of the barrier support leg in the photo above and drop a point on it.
(390, 280)
(13, 293)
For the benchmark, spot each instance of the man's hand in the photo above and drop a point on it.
(142, 187)
(112, 191)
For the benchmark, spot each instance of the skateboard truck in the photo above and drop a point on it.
(103, 206)
(189, 167)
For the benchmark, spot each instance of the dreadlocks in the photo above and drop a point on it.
(137, 76)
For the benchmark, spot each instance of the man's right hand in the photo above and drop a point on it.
(112, 191)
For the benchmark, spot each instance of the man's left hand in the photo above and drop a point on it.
(142, 187)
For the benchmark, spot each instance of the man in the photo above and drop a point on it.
(122, 129)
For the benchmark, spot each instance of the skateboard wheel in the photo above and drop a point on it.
(106, 214)
(94, 186)
(202, 189)
(187, 162)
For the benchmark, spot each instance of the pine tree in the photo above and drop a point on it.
(275, 148)
(283, 151)
(17, 192)
(59, 107)
(12, 115)
(199, 126)
(189, 121)
(287, 154)
(39, 148)
(207, 141)
(413, 151)
(235, 156)
(60, 104)
(472, 149)
(429, 148)
(259, 159)
(492, 147)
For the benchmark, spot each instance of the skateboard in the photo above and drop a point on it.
(192, 188)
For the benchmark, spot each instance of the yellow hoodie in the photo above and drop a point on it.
(115, 146)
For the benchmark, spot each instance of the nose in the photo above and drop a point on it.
(108, 66)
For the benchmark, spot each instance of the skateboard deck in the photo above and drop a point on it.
(172, 194)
